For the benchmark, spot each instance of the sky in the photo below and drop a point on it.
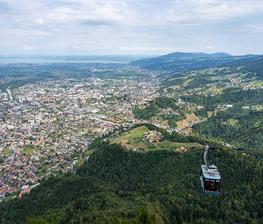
(130, 27)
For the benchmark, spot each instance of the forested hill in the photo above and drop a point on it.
(117, 186)
(252, 64)
(182, 62)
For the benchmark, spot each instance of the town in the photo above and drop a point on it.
(45, 127)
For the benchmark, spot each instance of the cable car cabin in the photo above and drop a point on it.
(210, 179)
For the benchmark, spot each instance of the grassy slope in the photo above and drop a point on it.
(133, 139)
(174, 145)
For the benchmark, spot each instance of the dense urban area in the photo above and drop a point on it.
(46, 127)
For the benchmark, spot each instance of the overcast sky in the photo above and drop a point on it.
(130, 26)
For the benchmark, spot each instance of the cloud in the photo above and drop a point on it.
(250, 28)
(97, 23)
(4, 8)
(91, 12)
(200, 11)
(142, 26)
(128, 12)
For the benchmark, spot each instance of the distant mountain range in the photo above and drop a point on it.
(183, 62)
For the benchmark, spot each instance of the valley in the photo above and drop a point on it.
(60, 127)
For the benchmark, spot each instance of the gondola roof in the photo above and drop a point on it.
(211, 172)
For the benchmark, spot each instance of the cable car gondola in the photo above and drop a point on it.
(210, 177)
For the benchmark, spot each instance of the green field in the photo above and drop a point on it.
(6, 151)
(175, 145)
(257, 84)
(133, 139)
(28, 150)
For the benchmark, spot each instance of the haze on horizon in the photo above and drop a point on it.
(130, 27)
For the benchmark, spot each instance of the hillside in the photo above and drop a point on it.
(182, 62)
(250, 64)
(162, 186)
